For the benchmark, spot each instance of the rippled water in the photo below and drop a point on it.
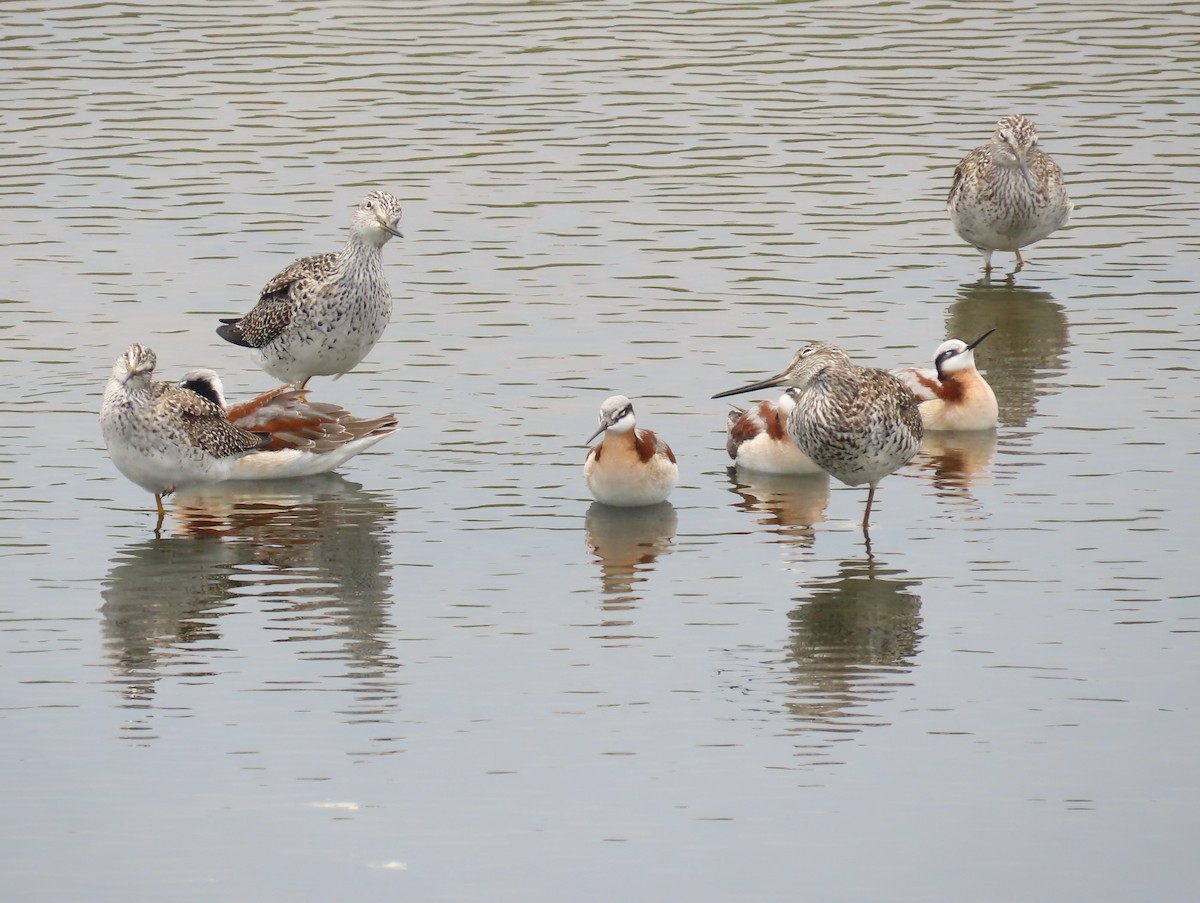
(444, 674)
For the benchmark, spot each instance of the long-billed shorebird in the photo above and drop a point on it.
(628, 467)
(954, 396)
(757, 438)
(323, 314)
(1008, 193)
(858, 424)
(163, 436)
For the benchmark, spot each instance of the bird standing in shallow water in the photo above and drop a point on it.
(323, 314)
(954, 397)
(628, 467)
(757, 439)
(164, 436)
(1008, 193)
(858, 424)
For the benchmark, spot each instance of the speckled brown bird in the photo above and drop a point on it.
(1008, 193)
(323, 314)
(858, 424)
(165, 436)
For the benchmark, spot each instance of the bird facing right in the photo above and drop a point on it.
(858, 424)
(323, 314)
(954, 396)
(1008, 193)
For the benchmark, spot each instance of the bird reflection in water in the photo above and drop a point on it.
(626, 543)
(322, 537)
(854, 637)
(956, 463)
(787, 505)
(1028, 345)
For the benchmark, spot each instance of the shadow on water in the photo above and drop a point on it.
(626, 542)
(316, 549)
(853, 637)
(789, 506)
(1030, 340)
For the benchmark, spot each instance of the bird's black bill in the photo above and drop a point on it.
(753, 387)
(980, 339)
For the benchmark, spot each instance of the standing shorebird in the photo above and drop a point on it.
(164, 436)
(757, 439)
(954, 396)
(1008, 193)
(858, 424)
(323, 314)
(628, 467)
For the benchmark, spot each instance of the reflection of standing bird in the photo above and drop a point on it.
(954, 396)
(758, 440)
(629, 467)
(1008, 193)
(857, 423)
(323, 314)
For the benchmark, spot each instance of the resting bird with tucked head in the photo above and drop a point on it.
(166, 436)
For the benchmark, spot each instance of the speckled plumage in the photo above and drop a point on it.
(323, 314)
(163, 437)
(166, 436)
(629, 467)
(1008, 193)
(858, 424)
(757, 438)
(303, 437)
(953, 396)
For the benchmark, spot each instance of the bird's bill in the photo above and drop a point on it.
(391, 230)
(604, 424)
(980, 339)
(753, 387)
(1026, 174)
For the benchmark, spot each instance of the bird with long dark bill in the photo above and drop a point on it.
(858, 424)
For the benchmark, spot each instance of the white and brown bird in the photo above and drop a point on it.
(629, 467)
(323, 314)
(858, 424)
(164, 436)
(757, 438)
(1008, 193)
(954, 396)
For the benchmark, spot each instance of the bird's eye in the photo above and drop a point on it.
(805, 352)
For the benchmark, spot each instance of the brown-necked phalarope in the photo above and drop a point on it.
(954, 396)
(628, 467)
(858, 424)
(757, 439)
(1008, 193)
(323, 314)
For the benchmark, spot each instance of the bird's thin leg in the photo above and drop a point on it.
(1020, 261)
(162, 513)
(867, 513)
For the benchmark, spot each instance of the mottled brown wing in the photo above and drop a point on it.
(277, 303)
(305, 270)
(205, 423)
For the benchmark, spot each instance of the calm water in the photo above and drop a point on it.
(443, 674)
